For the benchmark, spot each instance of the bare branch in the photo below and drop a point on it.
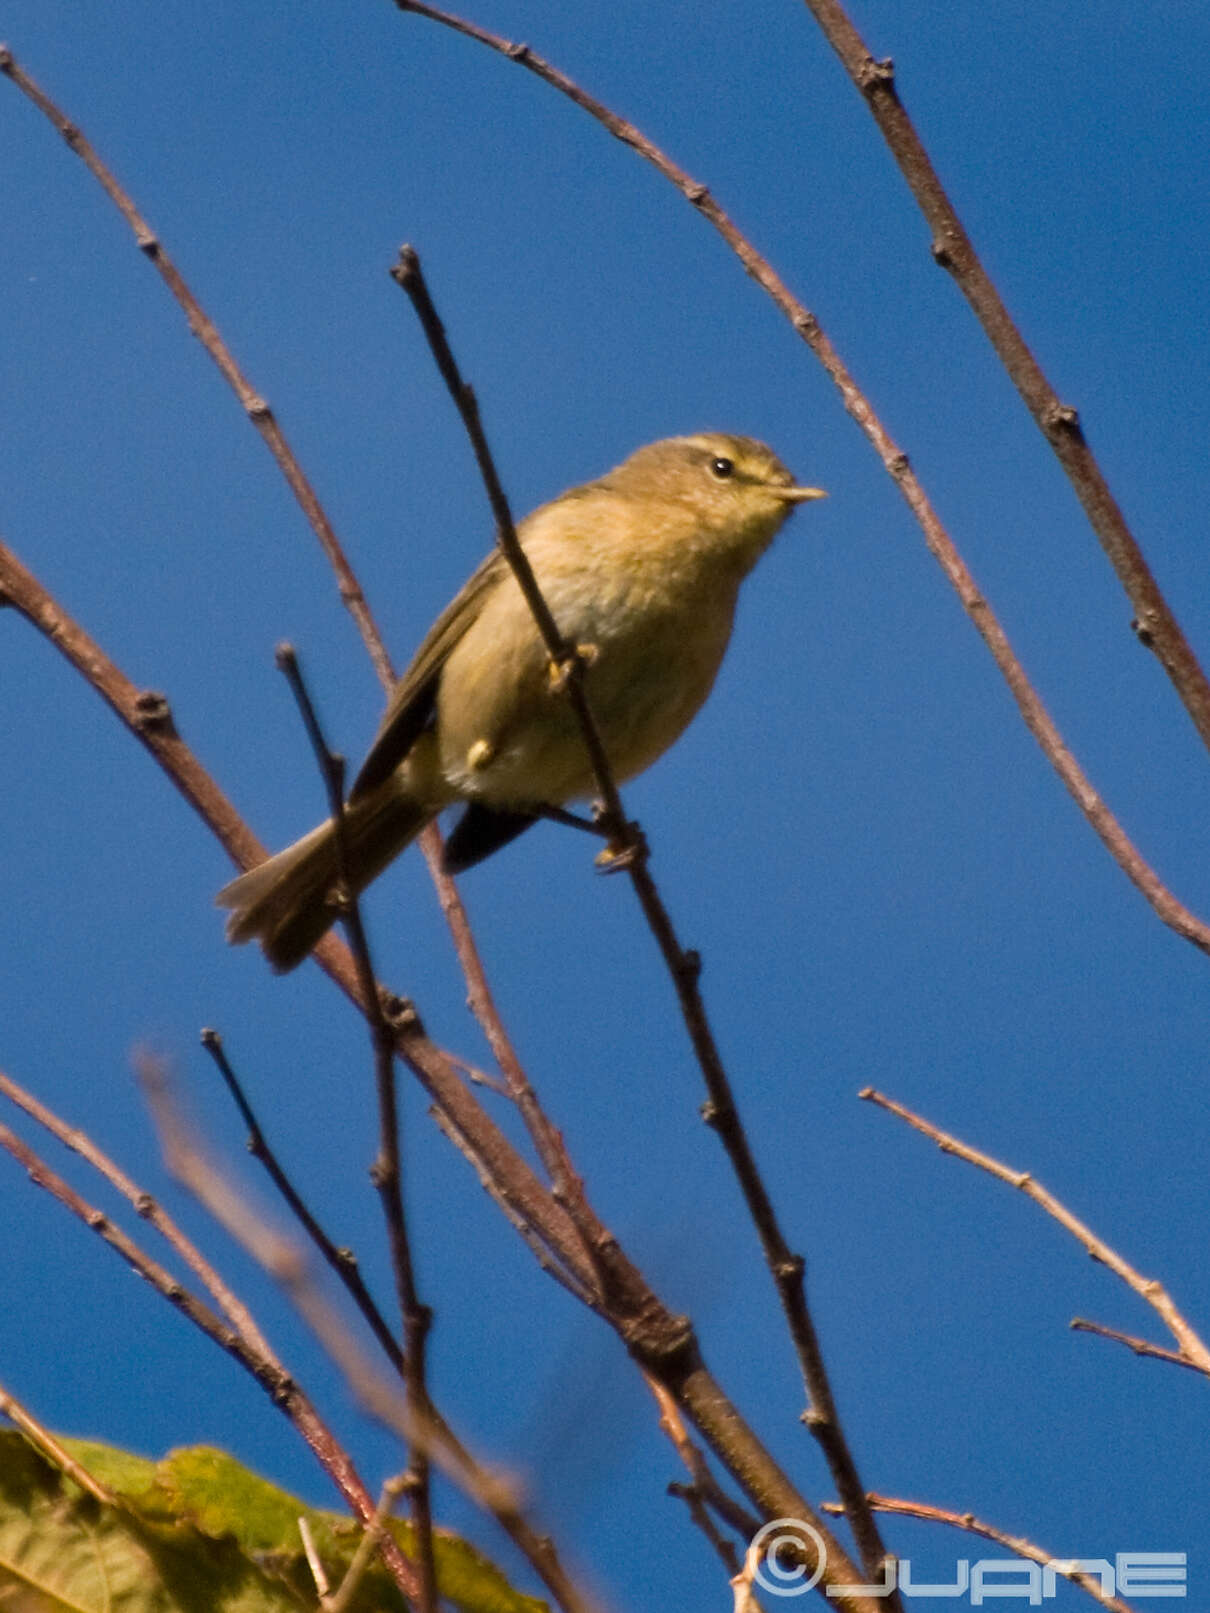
(367, 1545)
(1193, 1351)
(705, 1488)
(537, 1548)
(514, 1215)
(787, 1267)
(683, 967)
(79, 1142)
(1154, 621)
(145, 712)
(565, 658)
(387, 1170)
(45, 1443)
(342, 1260)
(314, 1563)
(1017, 1544)
(413, 1418)
(699, 1516)
(1157, 1352)
(200, 324)
(547, 1139)
(743, 1597)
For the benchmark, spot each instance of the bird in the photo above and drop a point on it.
(641, 570)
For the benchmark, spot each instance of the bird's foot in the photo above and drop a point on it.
(559, 673)
(623, 851)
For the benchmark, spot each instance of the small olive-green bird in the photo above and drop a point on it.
(641, 570)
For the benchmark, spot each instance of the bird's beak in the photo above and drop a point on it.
(798, 495)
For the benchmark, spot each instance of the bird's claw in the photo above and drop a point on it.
(559, 673)
(621, 854)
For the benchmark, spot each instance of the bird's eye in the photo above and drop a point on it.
(722, 468)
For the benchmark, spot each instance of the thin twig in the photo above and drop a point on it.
(787, 1267)
(537, 1548)
(704, 1485)
(387, 1170)
(367, 1546)
(546, 1138)
(415, 1421)
(1017, 1544)
(567, 663)
(342, 1260)
(478, 1076)
(743, 1596)
(1157, 1352)
(264, 1366)
(150, 1210)
(319, 1573)
(565, 658)
(699, 1516)
(254, 405)
(1154, 621)
(1192, 1348)
(45, 1443)
(515, 1215)
(1033, 713)
(684, 967)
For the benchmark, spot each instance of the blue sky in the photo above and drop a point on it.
(888, 884)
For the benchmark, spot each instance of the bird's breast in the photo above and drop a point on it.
(653, 644)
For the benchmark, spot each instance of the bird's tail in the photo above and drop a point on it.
(288, 903)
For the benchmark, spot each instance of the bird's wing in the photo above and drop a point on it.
(411, 706)
(479, 832)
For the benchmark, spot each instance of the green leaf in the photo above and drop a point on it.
(61, 1550)
(196, 1531)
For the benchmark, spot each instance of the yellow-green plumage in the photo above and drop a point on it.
(641, 568)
